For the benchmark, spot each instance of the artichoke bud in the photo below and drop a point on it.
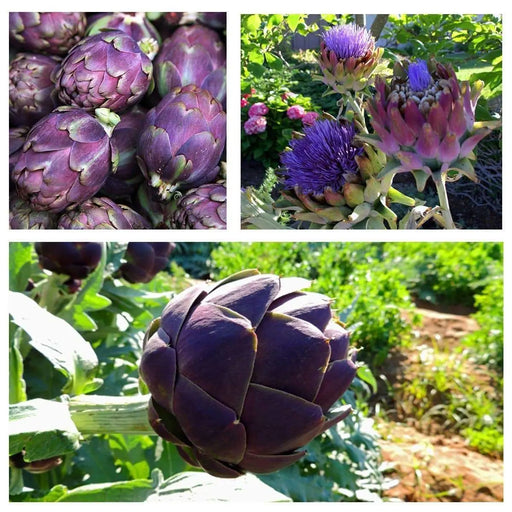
(354, 193)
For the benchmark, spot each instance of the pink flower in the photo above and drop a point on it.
(288, 94)
(255, 124)
(295, 112)
(309, 118)
(244, 102)
(258, 109)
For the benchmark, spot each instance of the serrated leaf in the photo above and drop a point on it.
(57, 340)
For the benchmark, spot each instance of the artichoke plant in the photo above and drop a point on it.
(101, 213)
(30, 88)
(106, 70)
(65, 159)
(193, 54)
(143, 260)
(46, 32)
(203, 207)
(74, 259)
(182, 140)
(243, 373)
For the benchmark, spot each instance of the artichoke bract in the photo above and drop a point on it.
(182, 141)
(125, 181)
(74, 259)
(22, 216)
(65, 160)
(243, 373)
(144, 260)
(106, 70)
(30, 88)
(203, 207)
(46, 32)
(102, 213)
(193, 54)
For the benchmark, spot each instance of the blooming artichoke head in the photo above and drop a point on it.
(348, 57)
(424, 120)
(243, 373)
(203, 207)
(46, 32)
(193, 54)
(182, 141)
(106, 70)
(65, 159)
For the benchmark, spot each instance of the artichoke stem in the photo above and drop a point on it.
(99, 414)
(440, 183)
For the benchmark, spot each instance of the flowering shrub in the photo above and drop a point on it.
(417, 119)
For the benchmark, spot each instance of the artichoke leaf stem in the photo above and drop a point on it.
(439, 178)
(354, 104)
(100, 414)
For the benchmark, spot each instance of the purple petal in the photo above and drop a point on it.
(216, 350)
(211, 426)
(292, 355)
(256, 463)
(428, 142)
(438, 119)
(339, 339)
(337, 379)
(470, 143)
(449, 148)
(216, 467)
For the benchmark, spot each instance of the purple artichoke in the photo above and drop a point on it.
(74, 259)
(182, 140)
(102, 213)
(348, 57)
(193, 55)
(46, 32)
(16, 140)
(125, 181)
(107, 70)
(30, 88)
(65, 160)
(135, 25)
(203, 207)
(22, 216)
(243, 373)
(144, 260)
(424, 120)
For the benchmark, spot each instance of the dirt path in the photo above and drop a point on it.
(437, 466)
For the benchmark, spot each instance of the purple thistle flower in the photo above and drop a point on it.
(324, 157)
(349, 41)
(419, 76)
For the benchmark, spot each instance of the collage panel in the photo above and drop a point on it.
(375, 121)
(117, 120)
(265, 371)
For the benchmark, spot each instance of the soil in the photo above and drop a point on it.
(429, 463)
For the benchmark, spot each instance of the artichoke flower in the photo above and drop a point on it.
(143, 260)
(65, 159)
(243, 373)
(182, 141)
(46, 32)
(203, 207)
(74, 259)
(30, 88)
(106, 70)
(102, 213)
(193, 54)
(424, 121)
(348, 57)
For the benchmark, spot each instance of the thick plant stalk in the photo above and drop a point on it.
(99, 414)
(439, 179)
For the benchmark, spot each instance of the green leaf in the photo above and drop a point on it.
(366, 375)
(17, 387)
(43, 428)
(21, 260)
(58, 341)
(293, 21)
(251, 23)
(273, 61)
(275, 20)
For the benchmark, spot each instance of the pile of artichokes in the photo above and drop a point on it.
(117, 120)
